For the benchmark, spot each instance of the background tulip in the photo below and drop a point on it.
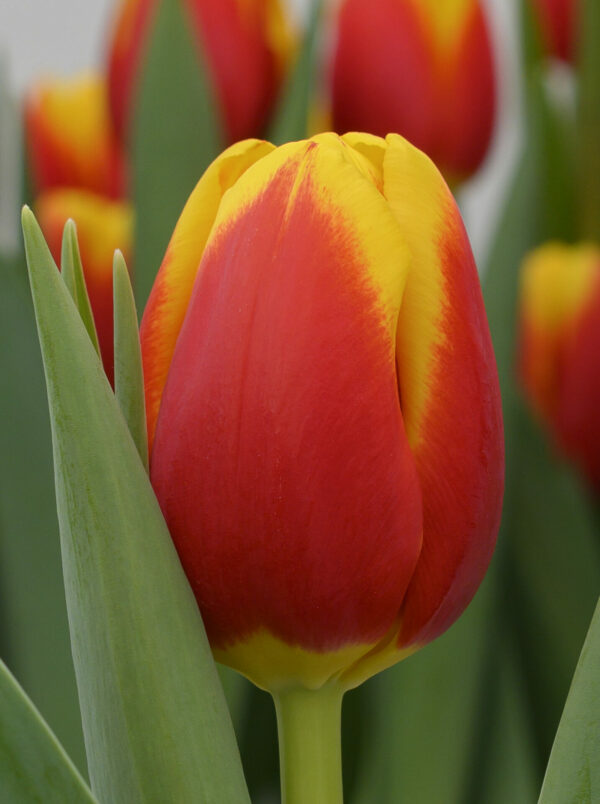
(246, 44)
(421, 68)
(323, 405)
(102, 226)
(558, 23)
(70, 139)
(560, 347)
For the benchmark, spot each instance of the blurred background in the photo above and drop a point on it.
(66, 37)
(472, 717)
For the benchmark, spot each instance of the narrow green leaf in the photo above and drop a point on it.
(34, 635)
(33, 764)
(155, 720)
(176, 134)
(129, 377)
(290, 121)
(508, 769)
(426, 715)
(72, 274)
(573, 773)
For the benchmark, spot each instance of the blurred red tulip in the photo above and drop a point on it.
(102, 226)
(70, 139)
(247, 46)
(560, 348)
(421, 68)
(558, 23)
(323, 403)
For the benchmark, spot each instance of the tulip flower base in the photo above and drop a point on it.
(310, 752)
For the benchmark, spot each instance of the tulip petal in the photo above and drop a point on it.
(450, 396)
(169, 299)
(303, 272)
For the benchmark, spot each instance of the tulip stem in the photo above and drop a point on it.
(310, 750)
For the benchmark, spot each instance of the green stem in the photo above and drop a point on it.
(310, 750)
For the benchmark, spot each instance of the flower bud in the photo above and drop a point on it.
(102, 226)
(245, 43)
(421, 68)
(323, 405)
(560, 348)
(70, 139)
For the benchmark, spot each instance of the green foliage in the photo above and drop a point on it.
(573, 773)
(33, 765)
(129, 378)
(155, 720)
(290, 121)
(588, 123)
(34, 636)
(72, 274)
(176, 134)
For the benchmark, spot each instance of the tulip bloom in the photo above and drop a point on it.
(323, 406)
(102, 226)
(246, 45)
(421, 68)
(70, 139)
(557, 19)
(560, 348)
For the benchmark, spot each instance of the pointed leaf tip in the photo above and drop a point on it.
(129, 378)
(74, 279)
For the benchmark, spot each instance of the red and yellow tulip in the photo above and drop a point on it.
(70, 139)
(323, 407)
(560, 348)
(102, 226)
(247, 46)
(421, 68)
(558, 24)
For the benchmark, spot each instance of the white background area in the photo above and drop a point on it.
(63, 37)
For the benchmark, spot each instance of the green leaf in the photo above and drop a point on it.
(33, 764)
(550, 600)
(508, 768)
(129, 378)
(155, 720)
(34, 636)
(426, 715)
(573, 773)
(290, 121)
(72, 274)
(176, 134)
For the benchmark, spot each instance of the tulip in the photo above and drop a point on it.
(557, 20)
(70, 139)
(421, 68)
(246, 45)
(324, 415)
(102, 226)
(560, 348)
(323, 406)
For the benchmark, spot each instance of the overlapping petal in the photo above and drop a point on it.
(70, 139)
(421, 69)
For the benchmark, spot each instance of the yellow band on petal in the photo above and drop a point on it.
(555, 282)
(273, 665)
(445, 18)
